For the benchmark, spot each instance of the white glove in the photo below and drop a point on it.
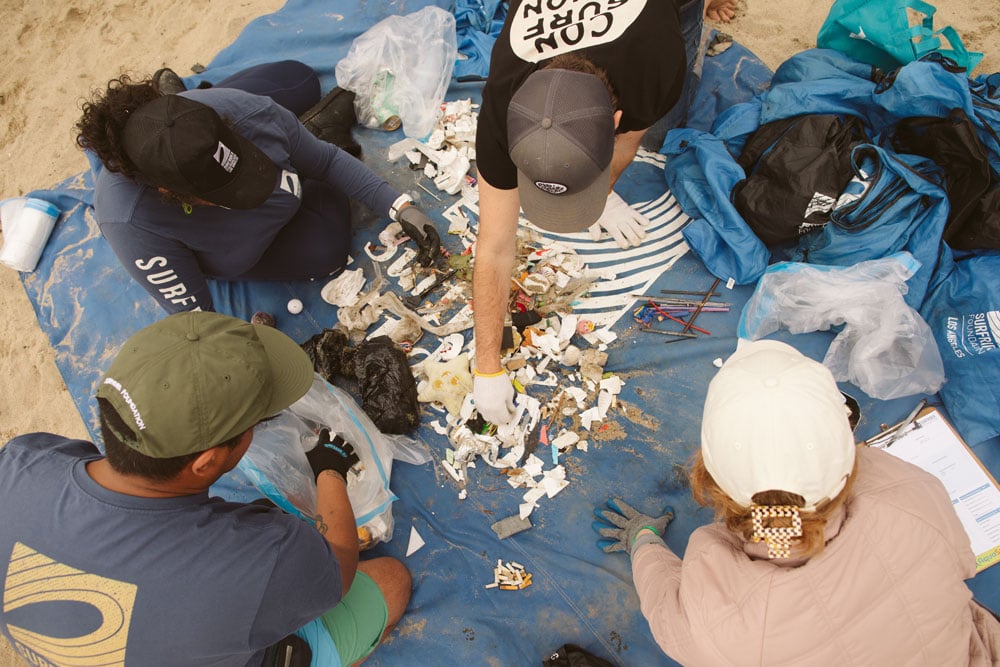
(494, 397)
(625, 224)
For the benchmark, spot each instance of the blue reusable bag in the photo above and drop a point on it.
(878, 32)
(963, 311)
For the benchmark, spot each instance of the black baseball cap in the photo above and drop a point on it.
(185, 147)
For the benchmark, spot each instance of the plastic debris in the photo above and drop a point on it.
(511, 525)
(415, 542)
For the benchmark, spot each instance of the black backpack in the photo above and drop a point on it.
(796, 169)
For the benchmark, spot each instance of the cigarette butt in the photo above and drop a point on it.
(508, 587)
(493, 585)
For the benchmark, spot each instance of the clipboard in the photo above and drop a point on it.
(927, 440)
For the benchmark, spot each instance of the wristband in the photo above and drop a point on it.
(500, 372)
(401, 201)
(649, 528)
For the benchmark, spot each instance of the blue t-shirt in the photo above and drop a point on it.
(90, 576)
(170, 252)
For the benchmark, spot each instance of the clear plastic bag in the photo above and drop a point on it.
(276, 460)
(401, 68)
(885, 347)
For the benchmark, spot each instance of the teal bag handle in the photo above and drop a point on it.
(965, 58)
(878, 32)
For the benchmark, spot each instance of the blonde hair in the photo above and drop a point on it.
(738, 518)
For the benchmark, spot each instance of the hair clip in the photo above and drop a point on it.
(778, 538)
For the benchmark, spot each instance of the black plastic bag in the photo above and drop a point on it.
(973, 187)
(796, 169)
(382, 372)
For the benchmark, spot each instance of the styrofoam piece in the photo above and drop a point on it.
(604, 400)
(606, 335)
(613, 385)
(415, 542)
(589, 416)
(396, 268)
(565, 439)
(567, 328)
(390, 252)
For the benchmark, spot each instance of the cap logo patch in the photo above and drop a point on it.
(551, 188)
(226, 157)
(141, 425)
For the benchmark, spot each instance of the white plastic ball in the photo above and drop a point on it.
(295, 306)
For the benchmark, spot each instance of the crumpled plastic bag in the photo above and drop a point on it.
(382, 371)
(401, 67)
(885, 347)
(277, 465)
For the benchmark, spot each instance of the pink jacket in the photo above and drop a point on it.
(887, 590)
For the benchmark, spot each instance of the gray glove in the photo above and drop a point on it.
(621, 524)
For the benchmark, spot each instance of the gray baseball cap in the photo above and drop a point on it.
(561, 133)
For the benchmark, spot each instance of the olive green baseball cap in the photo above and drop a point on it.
(193, 380)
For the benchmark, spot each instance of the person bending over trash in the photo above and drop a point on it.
(227, 182)
(125, 558)
(822, 553)
(573, 91)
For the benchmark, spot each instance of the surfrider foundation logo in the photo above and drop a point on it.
(34, 579)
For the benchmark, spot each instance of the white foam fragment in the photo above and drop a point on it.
(553, 486)
(612, 385)
(589, 416)
(568, 327)
(577, 394)
(604, 400)
(415, 541)
(565, 439)
(533, 466)
(524, 510)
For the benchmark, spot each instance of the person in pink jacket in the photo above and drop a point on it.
(822, 553)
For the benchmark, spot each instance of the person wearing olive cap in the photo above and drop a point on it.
(822, 553)
(233, 182)
(574, 89)
(125, 558)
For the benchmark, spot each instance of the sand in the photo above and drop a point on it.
(54, 53)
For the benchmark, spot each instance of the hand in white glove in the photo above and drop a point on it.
(494, 396)
(625, 224)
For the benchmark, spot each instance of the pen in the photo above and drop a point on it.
(898, 431)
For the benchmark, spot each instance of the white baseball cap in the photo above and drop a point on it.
(775, 420)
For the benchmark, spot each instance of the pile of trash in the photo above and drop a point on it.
(555, 358)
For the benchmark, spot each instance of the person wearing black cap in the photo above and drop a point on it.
(226, 182)
(572, 93)
(126, 559)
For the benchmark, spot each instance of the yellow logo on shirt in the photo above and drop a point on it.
(34, 578)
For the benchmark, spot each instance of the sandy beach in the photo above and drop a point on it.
(57, 52)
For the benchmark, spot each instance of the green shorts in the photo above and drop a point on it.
(356, 624)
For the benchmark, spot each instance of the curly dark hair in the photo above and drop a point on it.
(104, 116)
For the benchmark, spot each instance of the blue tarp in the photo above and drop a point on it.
(87, 306)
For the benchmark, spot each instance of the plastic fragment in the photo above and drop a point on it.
(415, 542)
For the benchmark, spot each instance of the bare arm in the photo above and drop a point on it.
(495, 247)
(335, 521)
(626, 146)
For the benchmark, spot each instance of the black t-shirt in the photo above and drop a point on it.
(638, 43)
